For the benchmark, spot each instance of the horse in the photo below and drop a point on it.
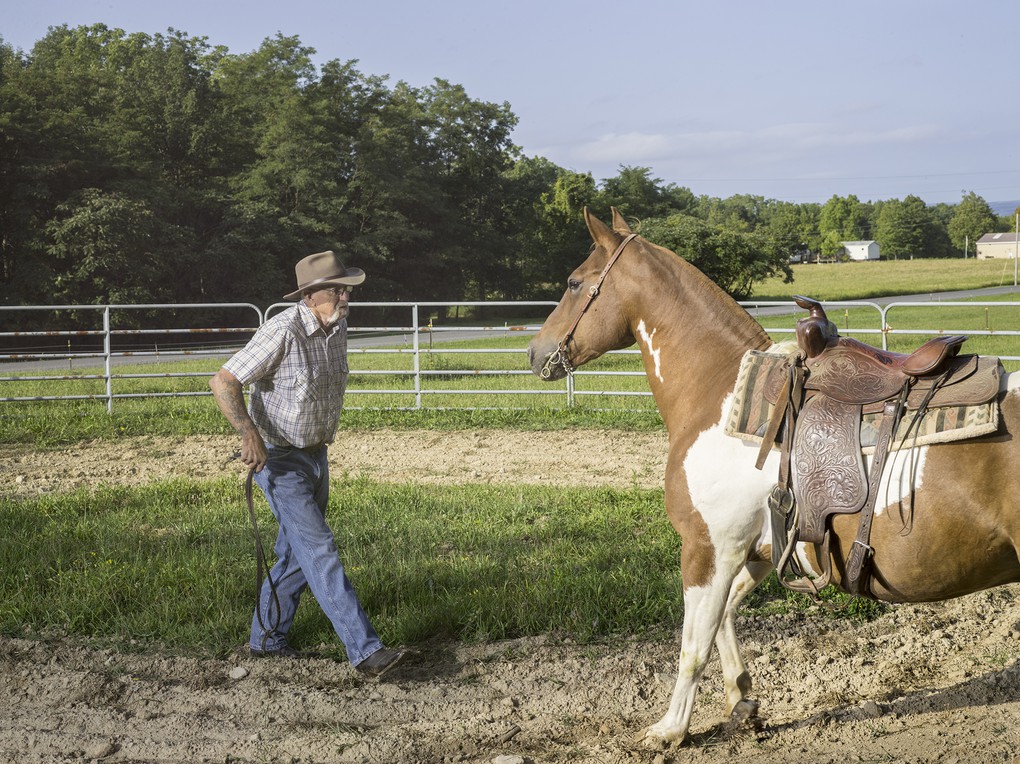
(965, 528)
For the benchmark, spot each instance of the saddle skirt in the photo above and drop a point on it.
(952, 414)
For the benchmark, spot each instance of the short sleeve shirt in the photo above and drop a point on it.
(298, 373)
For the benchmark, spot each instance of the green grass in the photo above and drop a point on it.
(171, 565)
(884, 278)
(864, 324)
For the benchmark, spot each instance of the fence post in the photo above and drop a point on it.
(417, 356)
(107, 347)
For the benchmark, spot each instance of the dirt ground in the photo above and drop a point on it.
(930, 683)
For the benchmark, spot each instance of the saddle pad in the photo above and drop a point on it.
(749, 415)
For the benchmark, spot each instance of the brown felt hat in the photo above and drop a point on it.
(321, 270)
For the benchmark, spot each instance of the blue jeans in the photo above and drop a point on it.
(296, 485)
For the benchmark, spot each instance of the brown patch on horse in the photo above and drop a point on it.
(941, 547)
(697, 553)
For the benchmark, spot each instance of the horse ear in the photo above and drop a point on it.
(600, 233)
(620, 223)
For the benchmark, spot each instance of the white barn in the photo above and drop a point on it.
(861, 250)
(997, 245)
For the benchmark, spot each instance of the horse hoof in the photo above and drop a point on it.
(657, 739)
(743, 712)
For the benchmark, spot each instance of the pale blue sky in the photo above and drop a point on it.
(795, 100)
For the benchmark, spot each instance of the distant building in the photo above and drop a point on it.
(861, 250)
(997, 245)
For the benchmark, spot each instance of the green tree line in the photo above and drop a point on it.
(141, 168)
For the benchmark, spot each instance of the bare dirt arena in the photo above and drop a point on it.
(930, 683)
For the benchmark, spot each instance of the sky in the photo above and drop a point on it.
(796, 100)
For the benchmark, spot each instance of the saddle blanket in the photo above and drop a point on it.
(750, 412)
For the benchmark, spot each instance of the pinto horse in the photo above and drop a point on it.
(966, 496)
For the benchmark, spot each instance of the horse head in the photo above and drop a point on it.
(589, 320)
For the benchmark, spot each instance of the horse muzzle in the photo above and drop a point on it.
(549, 366)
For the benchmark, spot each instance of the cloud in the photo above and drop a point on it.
(788, 140)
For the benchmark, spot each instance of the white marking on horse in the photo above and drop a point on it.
(904, 472)
(726, 489)
(656, 353)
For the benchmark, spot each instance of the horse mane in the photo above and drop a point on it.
(708, 297)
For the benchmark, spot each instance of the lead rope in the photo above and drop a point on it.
(261, 567)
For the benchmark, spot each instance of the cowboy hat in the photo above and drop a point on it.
(321, 270)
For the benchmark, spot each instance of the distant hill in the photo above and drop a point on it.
(1004, 208)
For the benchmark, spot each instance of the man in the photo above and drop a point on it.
(297, 366)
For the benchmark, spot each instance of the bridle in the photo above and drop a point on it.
(560, 357)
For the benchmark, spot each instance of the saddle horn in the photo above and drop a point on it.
(816, 332)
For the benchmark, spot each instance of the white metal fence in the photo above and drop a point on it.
(39, 355)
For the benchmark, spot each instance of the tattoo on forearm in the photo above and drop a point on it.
(230, 399)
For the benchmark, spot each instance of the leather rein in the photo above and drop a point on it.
(560, 356)
(262, 568)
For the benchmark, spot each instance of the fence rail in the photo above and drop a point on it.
(424, 341)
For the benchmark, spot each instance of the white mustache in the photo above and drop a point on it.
(339, 312)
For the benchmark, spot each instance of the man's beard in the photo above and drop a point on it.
(339, 312)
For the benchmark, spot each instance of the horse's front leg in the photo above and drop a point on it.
(705, 606)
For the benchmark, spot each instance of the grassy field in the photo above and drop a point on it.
(885, 278)
(907, 326)
(171, 565)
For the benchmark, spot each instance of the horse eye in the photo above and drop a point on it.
(573, 284)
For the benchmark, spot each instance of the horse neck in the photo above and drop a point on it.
(692, 337)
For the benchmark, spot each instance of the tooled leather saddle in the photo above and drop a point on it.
(821, 399)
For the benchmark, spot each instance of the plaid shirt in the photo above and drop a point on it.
(299, 372)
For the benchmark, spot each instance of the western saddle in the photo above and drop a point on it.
(821, 397)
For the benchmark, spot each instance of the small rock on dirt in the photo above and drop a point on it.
(100, 750)
(238, 672)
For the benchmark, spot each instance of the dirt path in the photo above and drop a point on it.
(922, 684)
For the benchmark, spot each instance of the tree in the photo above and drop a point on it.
(522, 217)
(637, 195)
(740, 212)
(971, 219)
(20, 182)
(229, 167)
(54, 114)
(563, 233)
(107, 248)
(471, 140)
(125, 116)
(904, 228)
(795, 226)
(842, 219)
(732, 259)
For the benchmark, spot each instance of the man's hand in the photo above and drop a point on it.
(229, 397)
(253, 449)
